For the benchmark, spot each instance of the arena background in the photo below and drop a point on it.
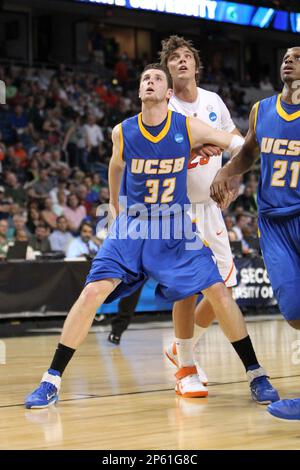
(65, 62)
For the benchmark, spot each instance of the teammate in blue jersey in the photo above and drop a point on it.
(274, 135)
(153, 148)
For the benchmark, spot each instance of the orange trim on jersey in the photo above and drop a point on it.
(256, 106)
(188, 128)
(121, 141)
(283, 114)
(230, 272)
(161, 135)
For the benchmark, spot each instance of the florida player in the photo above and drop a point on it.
(184, 64)
(274, 135)
(153, 148)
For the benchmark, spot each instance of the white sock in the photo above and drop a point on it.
(198, 333)
(184, 348)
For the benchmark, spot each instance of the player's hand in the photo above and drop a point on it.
(233, 186)
(220, 189)
(208, 150)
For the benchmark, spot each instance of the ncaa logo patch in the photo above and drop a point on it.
(212, 116)
(179, 138)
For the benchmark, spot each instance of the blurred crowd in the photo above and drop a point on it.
(55, 145)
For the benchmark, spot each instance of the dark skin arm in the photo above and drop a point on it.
(239, 164)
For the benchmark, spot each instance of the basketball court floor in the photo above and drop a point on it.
(122, 397)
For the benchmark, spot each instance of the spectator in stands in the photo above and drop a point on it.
(93, 219)
(59, 206)
(229, 222)
(243, 221)
(47, 214)
(34, 218)
(74, 212)
(14, 189)
(84, 244)
(73, 143)
(93, 138)
(19, 223)
(37, 114)
(22, 236)
(40, 241)
(96, 183)
(61, 238)
(247, 200)
(4, 204)
(104, 195)
(42, 187)
(32, 174)
(3, 238)
(61, 186)
(20, 154)
(52, 126)
(20, 125)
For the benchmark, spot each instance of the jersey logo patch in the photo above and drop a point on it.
(179, 138)
(212, 116)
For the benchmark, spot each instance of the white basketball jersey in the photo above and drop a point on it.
(210, 108)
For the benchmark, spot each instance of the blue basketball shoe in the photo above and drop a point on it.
(47, 393)
(285, 409)
(261, 390)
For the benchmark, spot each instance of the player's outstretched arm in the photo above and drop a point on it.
(202, 133)
(238, 165)
(116, 168)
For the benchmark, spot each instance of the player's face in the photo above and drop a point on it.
(154, 86)
(182, 64)
(290, 68)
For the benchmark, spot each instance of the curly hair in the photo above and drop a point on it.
(174, 42)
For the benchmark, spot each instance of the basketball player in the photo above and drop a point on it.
(274, 136)
(153, 148)
(184, 65)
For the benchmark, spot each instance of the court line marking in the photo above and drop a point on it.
(92, 396)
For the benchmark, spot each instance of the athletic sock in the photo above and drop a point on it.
(246, 353)
(61, 358)
(184, 348)
(198, 333)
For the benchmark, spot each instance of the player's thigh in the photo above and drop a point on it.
(215, 233)
(282, 262)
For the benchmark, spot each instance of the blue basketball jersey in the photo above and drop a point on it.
(156, 166)
(278, 136)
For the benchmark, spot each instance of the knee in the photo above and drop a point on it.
(97, 291)
(218, 295)
(294, 324)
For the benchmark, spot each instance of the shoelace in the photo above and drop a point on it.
(191, 379)
(48, 387)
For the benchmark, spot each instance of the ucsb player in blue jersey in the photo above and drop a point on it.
(274, 134)
(153, 148)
